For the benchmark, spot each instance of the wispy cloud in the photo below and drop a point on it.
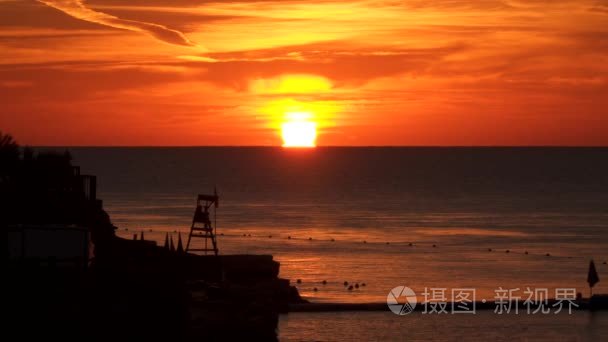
(374, 72)
(77, 9)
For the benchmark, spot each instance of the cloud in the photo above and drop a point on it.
(445, 72)
(78, 10)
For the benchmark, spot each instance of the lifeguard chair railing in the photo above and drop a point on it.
(203, 225)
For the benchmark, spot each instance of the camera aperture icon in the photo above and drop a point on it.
(401, 300)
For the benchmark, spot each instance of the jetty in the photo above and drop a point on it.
(598, 302)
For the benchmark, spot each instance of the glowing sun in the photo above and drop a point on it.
(298, 130)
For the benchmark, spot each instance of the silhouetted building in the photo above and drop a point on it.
(66, 247)
(45, 197)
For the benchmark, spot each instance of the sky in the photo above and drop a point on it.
(409, 72)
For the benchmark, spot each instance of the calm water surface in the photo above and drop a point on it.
(484, 326)
(374, 202)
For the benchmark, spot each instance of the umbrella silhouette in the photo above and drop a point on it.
(592, 277)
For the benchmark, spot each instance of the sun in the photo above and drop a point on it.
(299, 134)
(298, 130)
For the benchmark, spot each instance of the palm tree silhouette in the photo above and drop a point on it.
(8, 146)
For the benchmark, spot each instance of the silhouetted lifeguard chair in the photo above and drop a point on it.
(202, 227)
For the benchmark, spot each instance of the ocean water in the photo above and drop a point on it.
(352, 213)
(484, 326)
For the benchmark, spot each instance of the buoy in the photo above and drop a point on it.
(357, 285)
(489, 249)
(350, 288)
(289, 237)
(244, 235)
(309, 239)
(604, 263)
(126, 229)
(507, 251)
(315, 289)
(299, 281)
(388, 243)
(150, 230)
(434, 246)
(547, 254)
(324, 282)
(411, 244)
(526, 252)
(345, 283)
(270, 236)
(332, 240)
(362, 284)
(364, 241)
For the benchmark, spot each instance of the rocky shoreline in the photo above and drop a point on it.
(141, 291)
(224, 297)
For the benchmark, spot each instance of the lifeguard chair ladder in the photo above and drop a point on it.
(202, 228)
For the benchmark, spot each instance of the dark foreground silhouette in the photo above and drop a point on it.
(68, 277)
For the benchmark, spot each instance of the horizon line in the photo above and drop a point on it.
(316, 147)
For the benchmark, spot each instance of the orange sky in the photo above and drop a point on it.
(373, 72)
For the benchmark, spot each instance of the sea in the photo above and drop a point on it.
(486, 219)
